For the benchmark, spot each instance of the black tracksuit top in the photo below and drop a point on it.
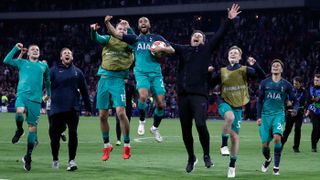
(192, 77)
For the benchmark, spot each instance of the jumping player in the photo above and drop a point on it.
(147, 71)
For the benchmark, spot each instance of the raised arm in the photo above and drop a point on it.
(224, 27)
(129, 38)
(126, 24)
(112, 30)
(234, 11)
(95, 36)
(9, 58)
(22, 52)
(254, 69)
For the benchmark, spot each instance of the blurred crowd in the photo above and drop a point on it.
(291, 35)
(53, 5)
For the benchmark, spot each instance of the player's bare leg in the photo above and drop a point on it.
(125, 129)
(142, 106)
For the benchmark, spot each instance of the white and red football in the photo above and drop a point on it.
(154, 45)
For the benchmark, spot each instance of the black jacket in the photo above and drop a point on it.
(193, 63)
(67, 83)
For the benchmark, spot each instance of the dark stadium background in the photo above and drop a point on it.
(286, 29)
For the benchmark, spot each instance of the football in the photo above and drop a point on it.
(154, 45)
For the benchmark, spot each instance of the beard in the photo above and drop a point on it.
(144, 30)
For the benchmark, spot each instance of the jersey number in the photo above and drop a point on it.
(239, 125)
(162, 84)
(123, 97)
(279, 127)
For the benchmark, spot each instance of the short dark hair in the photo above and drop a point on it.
(278, 61)
(317, 75)
(63, 50)
(298, 79)
(199, 31)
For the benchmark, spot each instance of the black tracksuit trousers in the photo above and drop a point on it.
(57, 125)
(191, 107)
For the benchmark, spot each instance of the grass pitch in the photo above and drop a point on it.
(150, 160)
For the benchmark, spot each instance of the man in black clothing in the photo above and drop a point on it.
(300, 95)
(192, 87)
(48, 106)
(68, 83)
(130, 91)
(313, 104)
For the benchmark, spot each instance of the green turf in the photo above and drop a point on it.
(150, 160)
